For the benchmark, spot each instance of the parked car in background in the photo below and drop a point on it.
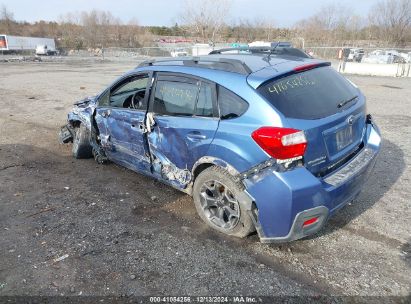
(45, 50)
(179, 53)
(272, 140)
(355, 55)
(406, 56)
(387, 57)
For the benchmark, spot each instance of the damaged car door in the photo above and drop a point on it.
(120, 118)
(181, 122)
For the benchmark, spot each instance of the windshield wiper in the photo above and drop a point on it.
(343, 103)
(230, 115)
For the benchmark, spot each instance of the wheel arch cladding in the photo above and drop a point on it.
(200, 168)
(208, 161)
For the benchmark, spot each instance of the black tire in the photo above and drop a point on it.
(81, 143)
(243, 224)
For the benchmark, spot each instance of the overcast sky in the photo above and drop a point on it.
(164, 12)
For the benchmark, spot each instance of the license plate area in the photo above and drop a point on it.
(344, 137)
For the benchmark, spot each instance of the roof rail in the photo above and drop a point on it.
(223, 64)
(272, 50)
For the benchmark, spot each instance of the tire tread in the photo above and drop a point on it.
(245, 226)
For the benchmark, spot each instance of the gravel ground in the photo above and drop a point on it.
(120, 233)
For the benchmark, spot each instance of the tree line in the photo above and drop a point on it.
(388, 23)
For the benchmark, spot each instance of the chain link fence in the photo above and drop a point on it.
(170, 50)
(325, 52)
(167, 50)
(365, 60)
(398, 55)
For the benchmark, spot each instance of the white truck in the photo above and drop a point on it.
(43, 49)
(16, 44)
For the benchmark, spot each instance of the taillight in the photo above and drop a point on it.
(281, 143)
(310, 221)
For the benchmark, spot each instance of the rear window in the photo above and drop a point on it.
(205, 101)
(313, 94)
(231, 106)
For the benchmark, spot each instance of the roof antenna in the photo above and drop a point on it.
(268, 58)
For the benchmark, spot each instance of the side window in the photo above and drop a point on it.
(175, 98)
(231, 105)
(205, 101)
(131, 85)
(104, 100)
(130, 93)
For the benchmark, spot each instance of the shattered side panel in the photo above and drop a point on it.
(122, 138)
(170, 142)
(165, 169)
(104, 135)
(83, 111)
(176, 143)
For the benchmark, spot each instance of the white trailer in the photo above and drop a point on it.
(16, 43)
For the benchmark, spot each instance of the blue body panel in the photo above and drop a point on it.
(182, 140)
(122, 138)
(321, 151)
(281, 196)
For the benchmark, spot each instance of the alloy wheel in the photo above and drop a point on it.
(219, 204)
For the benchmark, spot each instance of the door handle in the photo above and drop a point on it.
(196, 136)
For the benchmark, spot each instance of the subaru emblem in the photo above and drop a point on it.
(350, 120)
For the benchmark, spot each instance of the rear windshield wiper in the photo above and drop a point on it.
(230, 115)
(343, 103)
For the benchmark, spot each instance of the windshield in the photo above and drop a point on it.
(313, 94)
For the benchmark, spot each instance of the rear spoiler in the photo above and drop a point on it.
(260, 80)
(277, 50)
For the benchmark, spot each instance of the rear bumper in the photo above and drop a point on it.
(285, 200)
(298, 230)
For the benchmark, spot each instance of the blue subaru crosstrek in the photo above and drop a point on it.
(264, 139)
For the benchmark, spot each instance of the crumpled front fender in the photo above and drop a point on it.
(83, 111)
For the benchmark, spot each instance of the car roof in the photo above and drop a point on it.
(257, 62)
(257, 67)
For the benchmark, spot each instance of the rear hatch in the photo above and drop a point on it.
(330, 110)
